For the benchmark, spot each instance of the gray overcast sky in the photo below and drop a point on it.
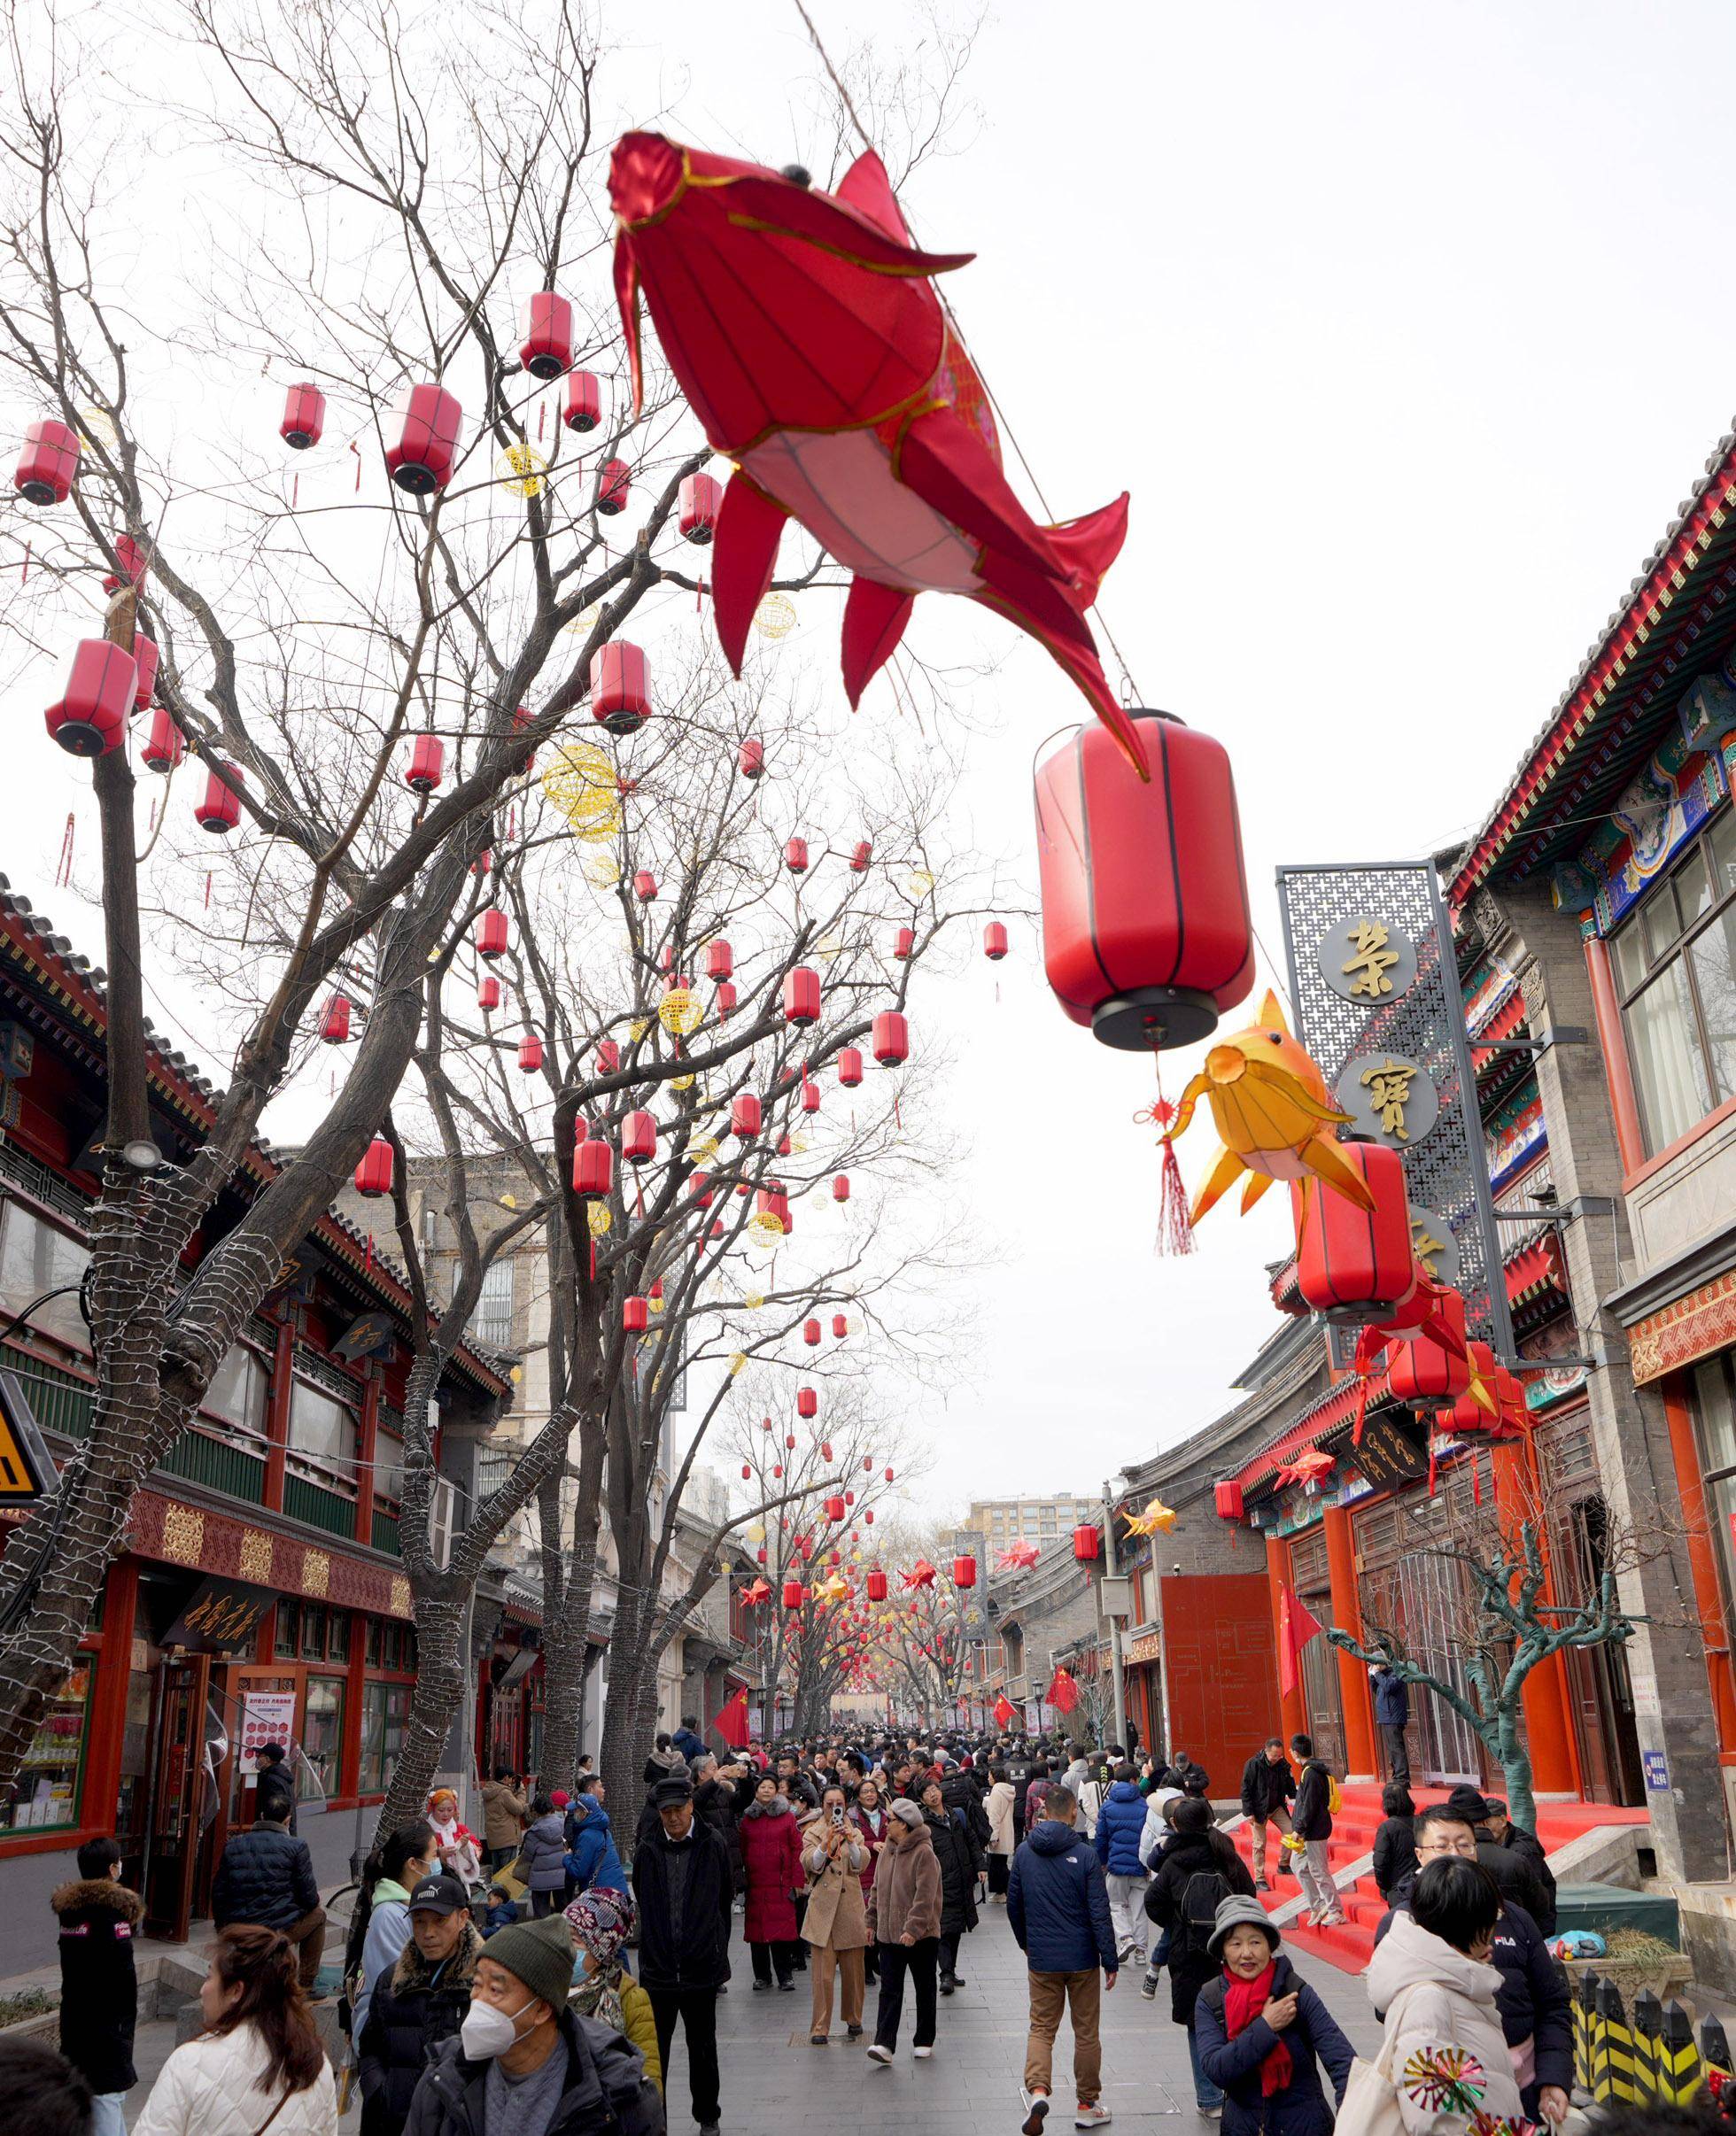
(1406, 329)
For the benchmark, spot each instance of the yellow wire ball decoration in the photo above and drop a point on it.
(737, 1364)
(585, 621)
(798, 1145)
(680, 1012)
(580, 785)
(601, 871)
(703, 1148)
(752, 1301)
(98, 426)
(775, 616)
(654, 1302)
(520, 470)
(599, 1217)
(827, 949)
(636, 1029)
(765, 1226)
(682, 1082)
(918, 882)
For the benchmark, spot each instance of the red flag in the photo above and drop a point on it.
(1062, 1693)
(731, 1722)
(1005, 1711)
(1295, 1627)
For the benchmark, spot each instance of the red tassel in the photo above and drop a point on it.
(62, 874)
(1174, 1230)
(25, 574)
(207, 889)
(1431, 1464)
(295, 493)
(542, 417)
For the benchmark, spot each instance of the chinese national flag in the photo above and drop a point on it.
(1296, 1627)
(731, 1722)
(1062, 1692)
(1005, 1711)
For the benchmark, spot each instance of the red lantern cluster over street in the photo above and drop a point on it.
(48, 463)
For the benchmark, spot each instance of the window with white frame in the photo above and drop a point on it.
(492, 1324)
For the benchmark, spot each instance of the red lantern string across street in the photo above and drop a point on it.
(428, 758)
(546, 325)
(423, 426)
(620, 688)
(700, 495)
(90, 718)
(530, 1054)
(802, 995)
(891, 1038)
(219, 809)
(1351, 1263)
(583, 410)
(164, 746)
(374, 1173)
(304, 417)
(48, 464)
(1146, 935)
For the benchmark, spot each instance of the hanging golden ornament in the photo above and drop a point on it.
(580, 784)
(680, 1012)
(918, 882)
(601, 871)
(775, 616)
(636, 1029)
(765, 1227)
(655, 1302)
(798, 1145)
(702, 1148)
(827, 949)
(585, 622)
(599, 1218)
(98, 426)
(737, 1361)
(520, 470)
(752, 1301)
(681, 1082)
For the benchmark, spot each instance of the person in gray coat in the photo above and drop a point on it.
(542, 1857)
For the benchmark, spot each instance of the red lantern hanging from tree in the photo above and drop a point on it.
(796, 855)
(719, 960)
(304, 417)
(807, 1402)
(802, 996)
(841, 1327)
(48, 464)
(635, 1317)
(374, 1173)
(995, 941)
(164, 746)
(638, 1138)
(877, 1585)
(530, 1054)
(546, 325)
(90, 718)
(219, 809)
(811, 1334)
(428, 758)
(700, 496)
(492, 932)
(891, 1038)
(750, 759)
(422, 425)
(620, 688)
(849, 1066)
(744, 1116)
(593, 1169)
(614, 481)
(793, 1591)
(488, 992)
(334, 1021)
(583, 410)
(145, 659)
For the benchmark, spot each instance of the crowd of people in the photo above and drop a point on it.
(530, 1981)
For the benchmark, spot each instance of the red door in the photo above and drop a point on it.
(1220, 1674)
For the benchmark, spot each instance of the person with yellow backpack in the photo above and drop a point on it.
(1317, 1797)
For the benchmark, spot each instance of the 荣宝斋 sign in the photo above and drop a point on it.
(267, 1716)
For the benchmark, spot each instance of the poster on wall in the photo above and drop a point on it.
(267, 1716)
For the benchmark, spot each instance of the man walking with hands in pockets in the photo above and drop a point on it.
(1058, 1903)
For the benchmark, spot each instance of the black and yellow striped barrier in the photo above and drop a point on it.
(1652, 2055)
(1584, 1996)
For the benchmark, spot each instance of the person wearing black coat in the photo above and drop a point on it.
(604, 2087)
(1512, 1868)
(960, 1866)
(1197, 1849)
(422, 2001)
(1502, 1832)
(266, 1877)
(684, 1887)
(274, 1789)
(959, 1792)
(99, 1995)
(1236, 2063)
(1395, 1840)
(715, 1803)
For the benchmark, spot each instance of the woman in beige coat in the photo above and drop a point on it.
(834, 1854)
(1002, 1839)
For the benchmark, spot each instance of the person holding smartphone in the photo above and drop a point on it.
(835, 1926)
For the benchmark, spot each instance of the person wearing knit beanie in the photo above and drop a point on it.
(539, 1954)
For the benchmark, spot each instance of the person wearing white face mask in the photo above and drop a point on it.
(522, 2063)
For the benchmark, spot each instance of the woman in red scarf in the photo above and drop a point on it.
(1260, 2028)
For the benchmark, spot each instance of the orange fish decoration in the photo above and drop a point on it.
(755, 1593)
(1307, 1467)
(1270, 1107)
(1018, 1556)
(922, 1573)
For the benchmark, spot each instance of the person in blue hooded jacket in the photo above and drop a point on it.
(591, 1862)
(1058, 1905)
(1120, 1826)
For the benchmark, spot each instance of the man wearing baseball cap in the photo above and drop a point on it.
(683, 1885)
(524, 2064)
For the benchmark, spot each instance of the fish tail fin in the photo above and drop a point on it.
(1087, 546)
(744, 556)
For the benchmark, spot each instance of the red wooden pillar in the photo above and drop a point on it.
(277, 1411)
(1363, 1766)
(105, 1710)
(349, 1764)
(1544, 1697)
(1702, 1560)
(366, 1434)
(1623, 1103)
(1292, 1706)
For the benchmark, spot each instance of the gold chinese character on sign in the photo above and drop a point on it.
(1370, 962)
(1389, 1088)
(1425, 1245)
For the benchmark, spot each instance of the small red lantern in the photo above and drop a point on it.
(905, 945)
(593, 1169)
(488, 993)
(792, 1594)
(638, 1138)
(746, 1472)
(726, 998)
(802, 995)
(1086, 1541)
(635, 1317)
(492, 932)
(428, 758)
(700, 1183)
(811, 1334)
(132, 560)
(964, 1572)
(219, 810)
(888, 1475)
(422, 423)
(304, 417)
(860, 857)
(546, 324)
(849, 1066)
(868, 1464)
(1146, 935)
(994, 941)
(530, 1054)
(645, 885)
(1355, 1264)
(760, 1553)
(620, 688)
(841, 1327)
(744, 1116)
(145, 659)
(701, 497)
(1226, 1498)
(789, 1441)
(891, 1038)
(796, 855)
(91, 718)
(807, 1402)
(719, 960)
(1422, 1370)
(810, 1095)
(825, 1450)
(876, 1584)
(750, 759)
(164, 748)
(765, 1424)
(48, 463)
(374, 1173)
(583, 410)
(614, 481)
(869, 1516)
(850, 1499)
(334, 1021)
(841, 1186)
(834, 1509)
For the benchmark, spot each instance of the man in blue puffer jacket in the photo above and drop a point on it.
(1120, 1823)
(592, 1862)
(1058, 1909)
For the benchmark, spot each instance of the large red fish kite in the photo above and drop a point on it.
(805, 330)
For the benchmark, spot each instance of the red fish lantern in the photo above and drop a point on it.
(428, 758)
(620, 688)
(750, 759)
(1354, 1264)
(546, 325)
(635, 1317)
(858, 411)
(90, 718)
(922, 1573)
(304, 417)
(802, 995)
(699, 498)
(219, 809)
(1478, 1408)
(583, 410)
(891, 1038)
(614, 484)
(1146, 934)
(48, 464)
(530, 1054)
(334, 1021)
(995, 941)
(593, 1169)
(423, 426)
(164, 746)
(374, 1173)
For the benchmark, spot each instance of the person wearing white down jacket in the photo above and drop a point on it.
(1444, 2053)
(258, 2066)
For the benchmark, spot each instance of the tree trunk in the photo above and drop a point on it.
(440, 1604)
(570, 1578)
(623, 1758)
(1515, 1762)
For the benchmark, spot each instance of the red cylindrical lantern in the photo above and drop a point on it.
(811, 1334)
(546, 324)
(614, 481)
(145, 659)
(132, 560)
(841, 1327)
(796, 855)
(48, 462)
(1355, 1264)
(868, 1464)
(593, 1169)
(645, 885)
(1085, 1542)
(1226, 1498)
(428, 758)
(834, 1509)
(701, 497)
(91, 718)
(1145, 928)
(807, 1402)
(719, 960)
(638, 1138)
(802, 995)
(904, 944)
(583, 410)
(877, 1585)
(608, 1056)
(774, 1203)
(869, 1516)
(860, 857)
(304, 417)
(760, 1553)
(792, 1594)
(725, 999)
(374, 1173)
(888, 1475)
(825, 1450)
(620, 688)
(746, 1472)
(164, 746)
(789, 1441)
(488, 993)
(218, 811)
(698, 1185)
(334, 1021)
(1421, 1369)
(421, 430)
(810, 1095)
(492, 932)
(841, 1186)
(744, 1116)
(635, 1316)
(891, 1038)
(750, 758)
(964, 1572)
(994, 941)
(530, 1053)
(849, 1066)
